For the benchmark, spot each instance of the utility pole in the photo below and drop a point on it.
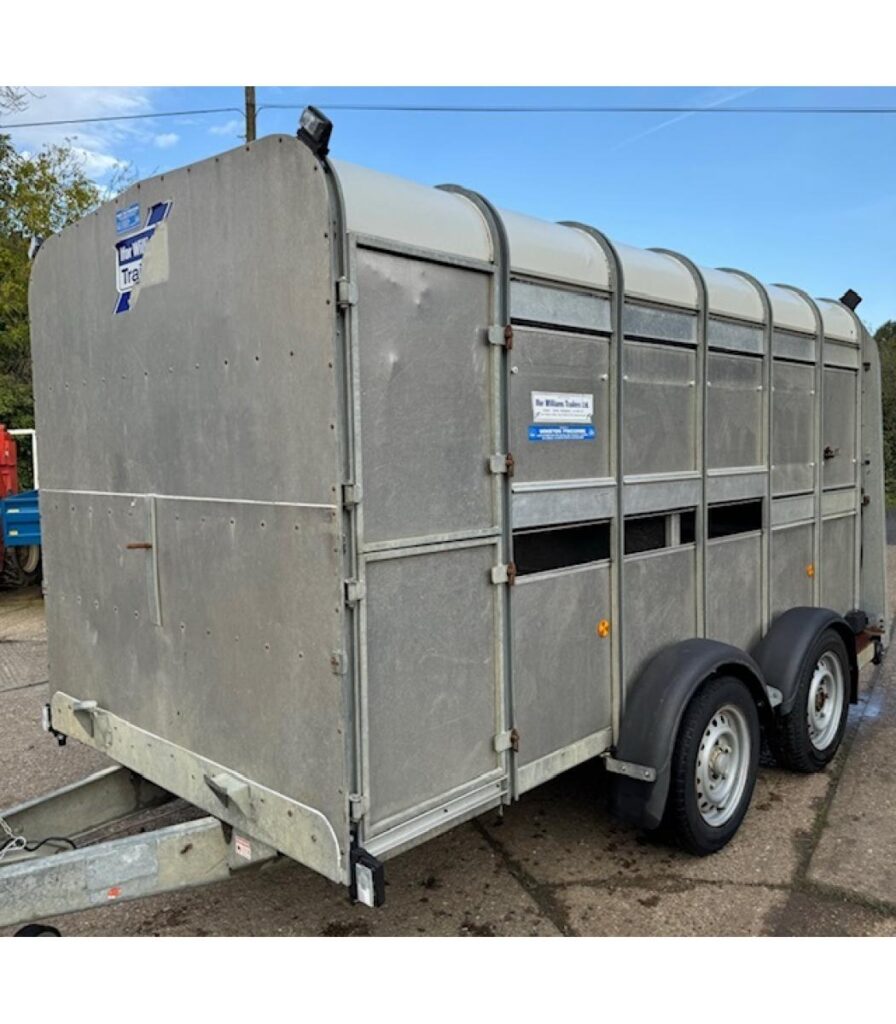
(250, 113)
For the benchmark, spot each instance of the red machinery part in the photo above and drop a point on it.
(9, 471)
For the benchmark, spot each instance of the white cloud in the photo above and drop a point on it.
(166, 140)
(233, 127)
(98, 165)
(99, 145)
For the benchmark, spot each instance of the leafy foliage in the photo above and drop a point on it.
(885, 336)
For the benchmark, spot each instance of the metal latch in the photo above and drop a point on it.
(502, 335)
(354, 591)
(642, 772)
(508, 740)
(502, 464)
(351, 494)
(504, 574)
(346, 292)
(830, 453)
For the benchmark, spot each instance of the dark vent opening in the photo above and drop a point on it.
(687, 530)
(727, 520)
(559, 547)
(644, 533)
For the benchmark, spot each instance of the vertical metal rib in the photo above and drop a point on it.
(859, 475)
(501, 388)
(617, 566)
(767, 422)
(700, 413)
(819, 457)
(355, 638)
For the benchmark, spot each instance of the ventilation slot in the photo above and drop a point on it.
(727, 520)
(559, 547)
(645, 533)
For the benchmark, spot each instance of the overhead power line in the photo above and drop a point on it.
(461, 109)
(122, 117)
(446, 109)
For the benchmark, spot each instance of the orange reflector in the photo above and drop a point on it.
(603, 628)
(810, 571)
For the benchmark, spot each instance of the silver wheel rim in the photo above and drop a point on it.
(723, 765)
(29, 558)
(825, 703)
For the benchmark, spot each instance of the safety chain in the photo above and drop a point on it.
(18, 842)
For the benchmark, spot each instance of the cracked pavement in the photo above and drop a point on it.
(813, 857)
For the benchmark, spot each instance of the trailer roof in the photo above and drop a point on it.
(402, 211)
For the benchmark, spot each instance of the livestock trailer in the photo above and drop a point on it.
(368, 506)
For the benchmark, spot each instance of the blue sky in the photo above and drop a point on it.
(804, 199)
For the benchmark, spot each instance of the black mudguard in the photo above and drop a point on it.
(781, 653)
(653, 710)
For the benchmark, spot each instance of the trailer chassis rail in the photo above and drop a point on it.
(45, 882)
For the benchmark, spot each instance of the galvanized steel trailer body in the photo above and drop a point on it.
(371, 601)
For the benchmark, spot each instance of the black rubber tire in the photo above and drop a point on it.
(790, 738)
(683, 818)
(29, 931)
(13, 575)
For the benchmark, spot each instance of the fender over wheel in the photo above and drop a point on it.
(809, 735)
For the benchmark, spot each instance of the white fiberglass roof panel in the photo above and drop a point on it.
(731, 295)
(790, 311)
(838, 321)
(406, 212)
(552, 251)
(656, 277)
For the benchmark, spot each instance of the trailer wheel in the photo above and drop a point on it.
(713, 765)
(21, 566)
(809, 735)
(30, 931)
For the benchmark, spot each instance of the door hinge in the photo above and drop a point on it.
(504, 574)
(358, 806)
(354, 591)
(502, 335)
(508, 740)
(501, 464)
(338, 663)
(351, 494)
(346, 292)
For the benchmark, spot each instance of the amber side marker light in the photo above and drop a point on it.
(810, 571)
(603, 628)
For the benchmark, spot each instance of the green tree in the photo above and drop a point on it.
(885, 336)
(40, 194)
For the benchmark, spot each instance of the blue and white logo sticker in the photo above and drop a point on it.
(127, 219)
(561, 432)
(131, 251)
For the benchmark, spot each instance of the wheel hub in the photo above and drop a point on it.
(722, 765)
(825, 702)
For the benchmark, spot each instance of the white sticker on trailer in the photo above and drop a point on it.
(562, 407)
(242, 847)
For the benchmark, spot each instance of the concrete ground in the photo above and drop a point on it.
(813, 857)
